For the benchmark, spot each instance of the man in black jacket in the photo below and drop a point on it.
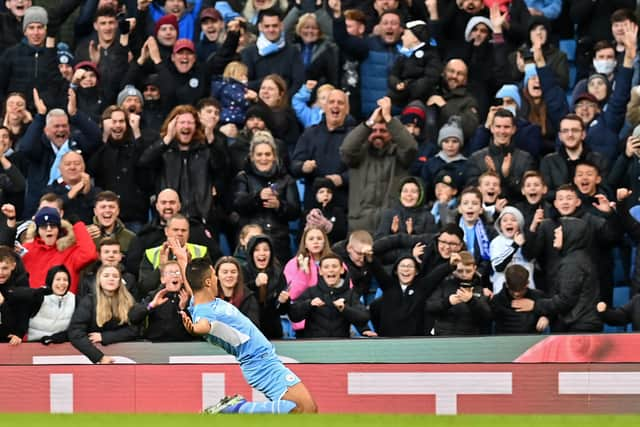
(574, 291)
(271, 54)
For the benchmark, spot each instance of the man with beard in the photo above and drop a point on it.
(317, 152)
(378, 153)
(452, 98)
(114, 165)
(47, 139)
(167, 205)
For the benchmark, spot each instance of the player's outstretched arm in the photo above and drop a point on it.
(201, 327)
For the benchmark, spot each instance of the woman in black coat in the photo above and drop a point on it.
(233, 290)
(265, 194)
(103, 319)
(265, 278)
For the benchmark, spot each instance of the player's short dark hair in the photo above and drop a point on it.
(197, 272)
(516, 277)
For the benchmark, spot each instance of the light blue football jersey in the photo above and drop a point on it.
(232, 330)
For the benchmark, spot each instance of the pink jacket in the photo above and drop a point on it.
(298, 281)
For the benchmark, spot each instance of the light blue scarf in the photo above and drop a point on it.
(408, 51)
(476, 232)
(54, 173)
(267, 47)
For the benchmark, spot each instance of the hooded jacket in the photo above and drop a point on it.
(74, 249)
(401, 312)
(575, 291)
(270, 308)
(423, 221)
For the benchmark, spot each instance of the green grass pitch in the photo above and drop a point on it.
(369, 420)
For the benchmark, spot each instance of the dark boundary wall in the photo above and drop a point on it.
(356, 388)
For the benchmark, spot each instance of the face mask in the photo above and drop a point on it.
(604, 66)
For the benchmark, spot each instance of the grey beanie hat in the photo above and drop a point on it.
(451, 129)
(513, 211)
(34, 14)
(129, 90)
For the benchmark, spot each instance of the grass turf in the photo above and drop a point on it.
(368, 420)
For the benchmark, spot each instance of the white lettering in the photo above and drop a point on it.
(599, 382)
(446, 386)
(61, 393)
(212, 389)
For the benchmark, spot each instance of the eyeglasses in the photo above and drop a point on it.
(172, 273)
(451, 244)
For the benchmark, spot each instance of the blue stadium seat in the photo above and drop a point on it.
(568, 46)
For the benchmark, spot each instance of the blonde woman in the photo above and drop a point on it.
(103, 319)
(264, 194)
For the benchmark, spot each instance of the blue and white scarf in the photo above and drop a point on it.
(54, 172)
(477, 232)
(267, 47)
(408, 51)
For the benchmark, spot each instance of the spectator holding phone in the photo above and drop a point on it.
(459, 303)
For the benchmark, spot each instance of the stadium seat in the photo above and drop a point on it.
(568, 46)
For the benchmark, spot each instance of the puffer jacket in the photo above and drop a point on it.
(247, 186)
(74, 249)
(327, 321)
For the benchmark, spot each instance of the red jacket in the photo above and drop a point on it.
(74, 250)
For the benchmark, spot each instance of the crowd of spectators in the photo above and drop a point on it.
(371, 168)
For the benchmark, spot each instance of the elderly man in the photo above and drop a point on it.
(453, 98)
(47, 139)
(75, 187)
(378, 153)
(317, 152)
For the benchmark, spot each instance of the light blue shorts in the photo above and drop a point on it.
(269, 376)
